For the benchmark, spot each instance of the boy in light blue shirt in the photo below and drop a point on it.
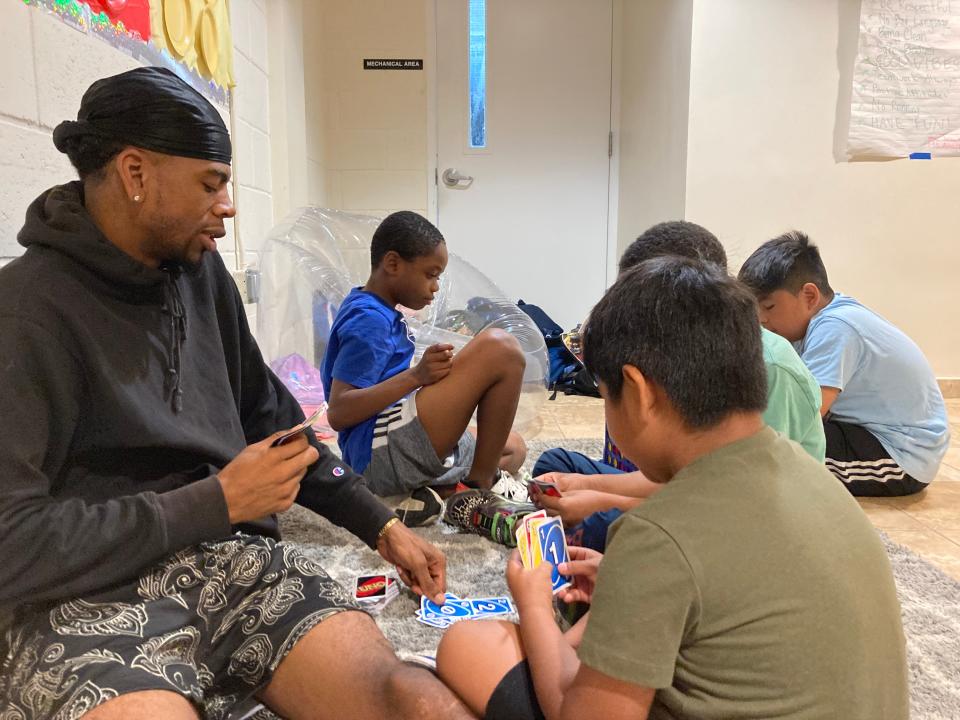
(883, 413)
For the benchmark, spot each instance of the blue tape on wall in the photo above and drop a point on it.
(919, 156)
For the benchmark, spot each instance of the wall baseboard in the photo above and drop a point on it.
(950, 387)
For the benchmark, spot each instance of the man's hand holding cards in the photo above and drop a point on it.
(306, 425)
(542, 538)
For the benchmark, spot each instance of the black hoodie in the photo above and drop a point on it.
(124, 390)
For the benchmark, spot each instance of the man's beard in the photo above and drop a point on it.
(159, 244)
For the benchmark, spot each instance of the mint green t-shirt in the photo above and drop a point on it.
(793, 396)
(751, 586)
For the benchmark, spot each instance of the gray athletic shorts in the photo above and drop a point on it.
(211, 623)
(403, 457)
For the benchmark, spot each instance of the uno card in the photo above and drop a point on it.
(453, 608)
(440, 623)
(523, 545)
(536, 549)
(553, 543)
(297, 429)
(371, 587)
(525, 523)
(547, 488)
(486, 607)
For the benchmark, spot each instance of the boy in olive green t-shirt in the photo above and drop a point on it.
(750, 586)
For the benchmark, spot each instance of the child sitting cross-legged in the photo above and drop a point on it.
(883, 413)
(724, 594)
(403, 427)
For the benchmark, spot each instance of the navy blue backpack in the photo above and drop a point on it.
(567, 375)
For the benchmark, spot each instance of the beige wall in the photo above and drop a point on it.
(763, 106)
(288, 103)
(366, 130)
(654, 74)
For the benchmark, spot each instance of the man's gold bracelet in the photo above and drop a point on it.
(389, 524)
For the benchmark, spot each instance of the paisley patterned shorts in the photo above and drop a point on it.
(211, 623)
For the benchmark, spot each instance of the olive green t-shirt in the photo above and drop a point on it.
(751, 586)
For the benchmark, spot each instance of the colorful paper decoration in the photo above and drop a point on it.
(191, 37)
(134, 15)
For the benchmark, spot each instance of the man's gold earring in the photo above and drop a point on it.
(136, 198)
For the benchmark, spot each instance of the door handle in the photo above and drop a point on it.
(454, 180)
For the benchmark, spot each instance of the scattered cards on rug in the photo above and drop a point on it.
(374, 592)
(456, 609)
(542, 538)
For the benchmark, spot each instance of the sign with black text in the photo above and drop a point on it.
(391, 64)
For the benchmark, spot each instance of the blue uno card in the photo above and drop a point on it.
(491, 606)
(441, 623)
(453, 608)
(554, 544)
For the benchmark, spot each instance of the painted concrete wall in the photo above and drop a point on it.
(654, 75)
(366, 129)
(47, 67)
(769, 93)
(45, 71)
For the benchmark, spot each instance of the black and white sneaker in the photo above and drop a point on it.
(423, 507)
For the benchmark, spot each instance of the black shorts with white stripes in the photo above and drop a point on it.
(859, 460)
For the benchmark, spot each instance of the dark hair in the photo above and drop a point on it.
(676, 237)
(406, 233)
(787, 262)
(687, 326)
(89, 154)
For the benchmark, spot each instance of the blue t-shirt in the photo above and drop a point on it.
(885, 383)
(369, 343)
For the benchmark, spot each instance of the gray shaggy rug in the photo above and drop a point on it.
(930, 600)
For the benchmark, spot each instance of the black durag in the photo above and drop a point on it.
(153, 109)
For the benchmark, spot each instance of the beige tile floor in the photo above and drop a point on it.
(928, 523)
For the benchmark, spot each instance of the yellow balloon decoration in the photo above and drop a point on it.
(197, 33)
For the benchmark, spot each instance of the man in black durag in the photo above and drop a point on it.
(141, 572)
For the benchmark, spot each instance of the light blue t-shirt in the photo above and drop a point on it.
(885, 383)
(369, 343)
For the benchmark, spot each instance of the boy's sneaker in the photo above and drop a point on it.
(427, 662)
(423, 507)
(486, 513)
(512, 488)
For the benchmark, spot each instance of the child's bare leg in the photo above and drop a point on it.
(486, 376)
(457, 666)
(514, 453)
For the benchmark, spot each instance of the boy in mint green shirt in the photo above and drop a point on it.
(595, 493)
(793, 396)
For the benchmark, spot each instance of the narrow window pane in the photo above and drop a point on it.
(478, 73)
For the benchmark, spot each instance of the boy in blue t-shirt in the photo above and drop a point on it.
(405, 427)
(883, 413)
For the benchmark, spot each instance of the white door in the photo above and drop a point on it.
(534, 217)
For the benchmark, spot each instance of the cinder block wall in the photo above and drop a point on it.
(47, 65)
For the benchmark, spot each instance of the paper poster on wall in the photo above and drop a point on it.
(906, 81)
